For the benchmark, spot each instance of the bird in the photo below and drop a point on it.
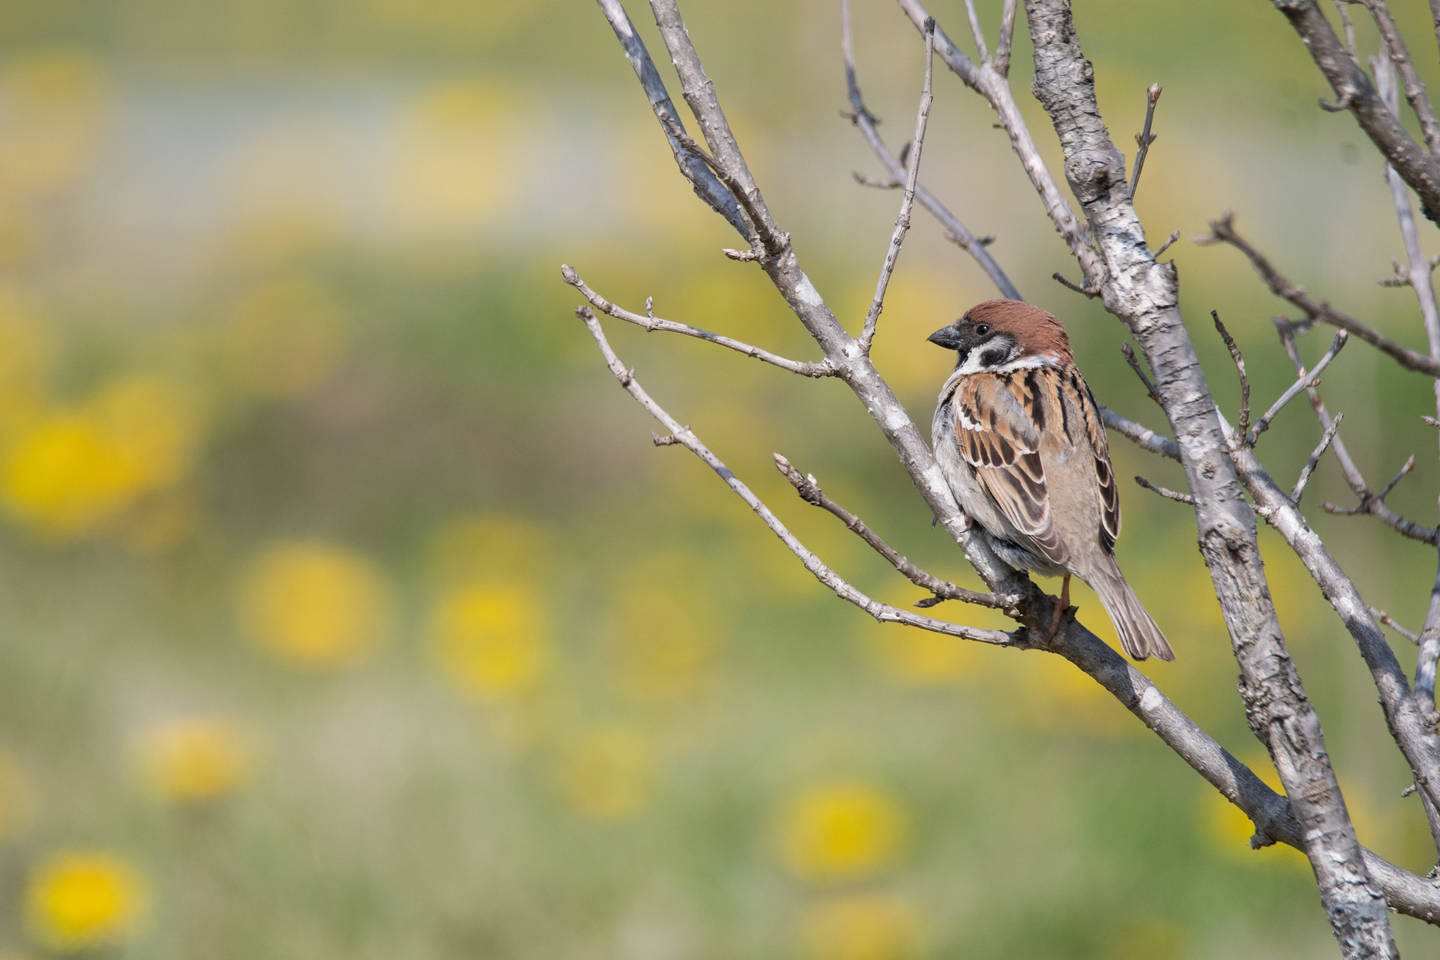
(1019, 439)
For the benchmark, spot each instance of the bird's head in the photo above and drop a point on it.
(1002, 335)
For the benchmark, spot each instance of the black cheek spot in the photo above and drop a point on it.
(993, 357)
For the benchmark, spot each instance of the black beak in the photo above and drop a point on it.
(947, 337)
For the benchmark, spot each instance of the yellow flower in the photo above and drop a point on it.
(841, 831)
(490, 638)
(80, 900)
(194, 760)
(283, 338)
(861, 927)
(606, 772)
(314, 604)
(73, 469)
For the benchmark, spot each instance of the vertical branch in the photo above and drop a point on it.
(1007, 36)
(1418, 277)
(1144, 294)
(902, 220)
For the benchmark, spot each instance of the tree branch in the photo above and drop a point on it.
(1007, 35)
(1223, 231)
(1355, 92)
(902, 220)
(1306, 381)
(1414, 89)
(809, 490)
(1144, 138)
(1144, 294)
(806, 368)
(865, 121)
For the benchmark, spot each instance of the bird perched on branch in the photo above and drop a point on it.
(1020, 441)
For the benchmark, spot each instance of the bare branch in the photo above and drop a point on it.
(1389, 621)
(1429, 642)
(1134, 363)
(976, 32)
(1144, 138)
(1166, 492)
(1223, 231)
(1352, 85)
(1326, 438)
(1007, 35)
(1145, 294)
(1169, 242)
(1414, 89)
(862, 118)
(993, 86)
(686, 437)
(1305, 382)
(1142, 436)
(902, 220)
(1089, 291)
(706, 186)
(1242, 426)
(649, 321)
(809, 489)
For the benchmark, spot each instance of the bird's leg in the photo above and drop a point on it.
(1060, 607)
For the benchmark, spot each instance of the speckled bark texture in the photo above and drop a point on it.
(1144, 294)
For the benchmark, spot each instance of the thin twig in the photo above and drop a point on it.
(1414, 89)
(865, 120)
(1242, 427)
(1169, 241)
(1089, 291)
(1305, 382)
(1389, 621)
(809, 489)
(1144, 138)
(1134, 363)
(1165, 492)
(806, 368)
(1140, 435)
(1408, 466)
(827, 576)
(976, 32)
(1326, 438)
(902, 220)
(1369, 503)
(1223, 231)
(1007, 35)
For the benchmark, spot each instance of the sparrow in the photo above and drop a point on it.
(1019, 439)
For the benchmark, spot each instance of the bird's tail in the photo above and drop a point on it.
(1139, 635)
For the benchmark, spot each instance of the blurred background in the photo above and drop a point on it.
(346, 609)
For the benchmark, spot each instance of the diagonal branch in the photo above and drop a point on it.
(995, 88)
(706, 186)
(1307, 381)
(827, 576)
(1223, 231)
(865, 120)
(1355, 92)
(809, 490)
(1414, 90)
(1144, 138)
(806, 368)
(902, 220)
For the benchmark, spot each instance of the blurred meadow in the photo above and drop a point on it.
(346, 610)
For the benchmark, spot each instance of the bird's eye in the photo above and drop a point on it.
(982, 329)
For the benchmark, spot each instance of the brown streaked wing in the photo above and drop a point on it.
(1104, 473)
(1006, 455)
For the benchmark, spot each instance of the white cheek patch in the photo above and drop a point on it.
(1032, 362)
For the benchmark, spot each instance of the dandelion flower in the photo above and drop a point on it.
(841, 831)
(82, 900)
(490, 638)
(314, 604)
(194, 760)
